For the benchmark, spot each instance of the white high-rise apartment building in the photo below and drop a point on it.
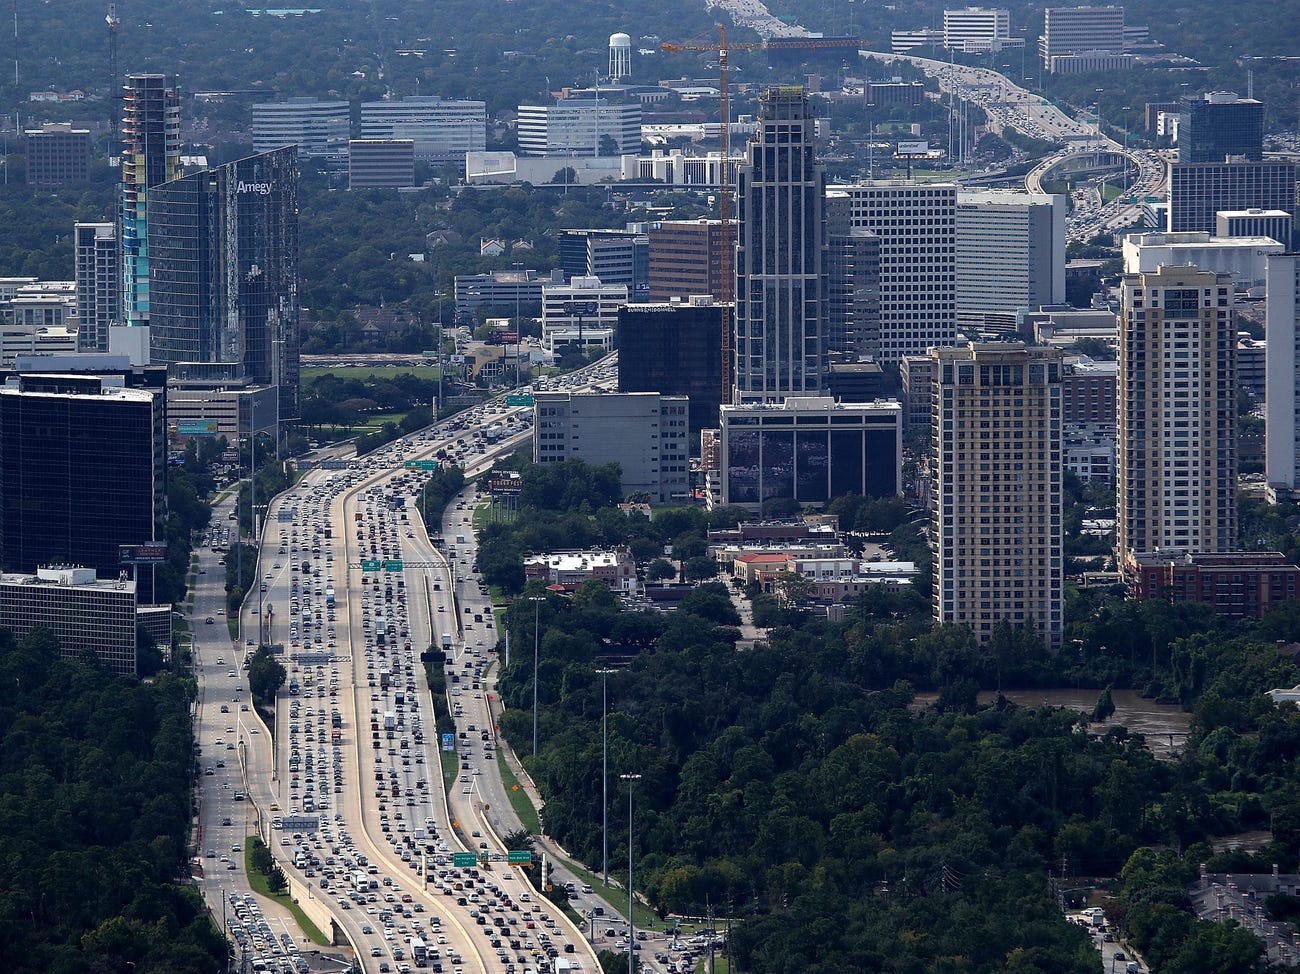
(442, 129)
(1010, 253)
(996, 489)
(1177, 414)
(975, 30)
(579, 127)
(1282, 371)
(917, 226)
(320, 129)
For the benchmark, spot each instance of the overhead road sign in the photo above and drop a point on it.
(520, 399)
(520, 855)
(201, 427)
(371, 564)
(422, 464)
(464, 860)
(393, 566)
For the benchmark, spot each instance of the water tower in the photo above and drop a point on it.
(620, 56)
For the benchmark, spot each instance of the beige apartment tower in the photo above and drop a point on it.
(996, 493)
(1177, 414)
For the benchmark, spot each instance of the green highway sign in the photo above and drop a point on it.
(464, 860)
(520, 855)
(422, 464)
(371, 564)
(519, 400)
(392, 566)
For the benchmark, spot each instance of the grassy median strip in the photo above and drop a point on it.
(519, 799)
(616, 897)
(257, 882)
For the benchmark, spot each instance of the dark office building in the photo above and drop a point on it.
(685, 259)
(1218, 125)
(224, 270)
(1198, 191)
(811, 450)
(82, 470)
(674, 349)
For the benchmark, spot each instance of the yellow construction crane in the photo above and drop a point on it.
(724, 192)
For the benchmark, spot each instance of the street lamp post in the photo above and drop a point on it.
(631, 780)
(537, 608)
(604, 772)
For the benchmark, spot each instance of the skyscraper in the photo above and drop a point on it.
(780, 331)
(996, 493)
(99, 282)
(82, 470)
(151, 155)
(685, 258)
(674, 348)
(224, 270)
(917, 227)
(1214, 126)
(1282, 368)
(1199, 190)
(1177, 414)
(1010, 253)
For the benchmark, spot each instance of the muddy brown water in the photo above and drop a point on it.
(1155, 721)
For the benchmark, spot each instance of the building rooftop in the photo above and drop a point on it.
(572, 561)
(68, 576)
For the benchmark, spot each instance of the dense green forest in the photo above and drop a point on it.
(96, 786)
(797, 785)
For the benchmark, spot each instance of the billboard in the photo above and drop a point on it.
(913, 148)
(141, 554)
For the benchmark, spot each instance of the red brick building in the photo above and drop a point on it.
(1237, 585)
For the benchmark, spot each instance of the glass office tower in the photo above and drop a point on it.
(224, 270)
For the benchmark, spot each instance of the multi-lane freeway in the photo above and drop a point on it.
(346, 784)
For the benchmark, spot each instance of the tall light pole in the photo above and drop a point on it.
(604, 772)
(537, 608)
(519, 285)
(631, 780)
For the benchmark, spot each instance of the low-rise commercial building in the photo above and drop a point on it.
(569, 569)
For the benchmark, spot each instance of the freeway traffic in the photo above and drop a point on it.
(350, 797)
